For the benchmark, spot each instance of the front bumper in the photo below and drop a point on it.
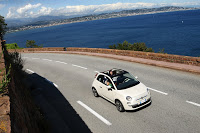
(137, 106)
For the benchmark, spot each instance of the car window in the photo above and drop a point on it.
(100, 78)
(126, 80)
(108, 83)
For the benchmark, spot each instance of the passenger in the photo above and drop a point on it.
(109, 84)
(110, 73)
(115, 80)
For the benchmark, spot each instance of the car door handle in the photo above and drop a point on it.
(100, 86)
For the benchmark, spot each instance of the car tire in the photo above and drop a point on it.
(95, 93)
(119, 106)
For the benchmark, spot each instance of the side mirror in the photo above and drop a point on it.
(109, 88)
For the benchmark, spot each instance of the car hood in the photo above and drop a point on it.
(135, 90)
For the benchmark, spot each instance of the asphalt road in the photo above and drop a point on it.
(175, 95)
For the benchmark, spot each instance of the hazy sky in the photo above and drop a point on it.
(35, 8)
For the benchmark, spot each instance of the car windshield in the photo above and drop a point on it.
(125, 80)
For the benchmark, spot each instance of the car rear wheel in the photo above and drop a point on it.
(95, 92)
(119, 106)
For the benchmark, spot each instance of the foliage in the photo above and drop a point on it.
(139, 46)
(31, 44)
(6, 79)
(162, 51)
(16, 61)
(2, 26)
(12, 46)
(20, 95)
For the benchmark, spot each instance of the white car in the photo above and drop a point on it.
(122, 89)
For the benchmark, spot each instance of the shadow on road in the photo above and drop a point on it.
(58, 111)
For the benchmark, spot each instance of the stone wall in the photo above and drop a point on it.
(26, 50)
(147, 55)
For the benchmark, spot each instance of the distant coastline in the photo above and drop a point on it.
(125, 13)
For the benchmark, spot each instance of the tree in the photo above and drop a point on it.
(2, 26)
(139, 46)
(126, 45)
(112, 46)
(162, 51)
(12, 46)
(31, 44)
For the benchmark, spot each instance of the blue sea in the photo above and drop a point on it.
(177, 32)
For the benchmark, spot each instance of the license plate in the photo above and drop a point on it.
(141, 101)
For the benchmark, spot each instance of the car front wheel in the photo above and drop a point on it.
(95, 92)
(119, 106)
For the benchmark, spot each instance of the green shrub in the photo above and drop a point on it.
(162, 51)
(139, 46)
(3, 27)
(12, 46)
(5, 81)
(31, 44)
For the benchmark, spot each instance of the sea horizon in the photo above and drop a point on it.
(118, 30)
(106, 18)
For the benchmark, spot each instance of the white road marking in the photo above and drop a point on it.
(79, 66)
(47, 59)
(196, 104)
(158, 91)
(96, 71)
(94, 113)
(30, 71)
(60, 62)
(35, 58)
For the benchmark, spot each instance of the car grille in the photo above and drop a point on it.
(136, 105)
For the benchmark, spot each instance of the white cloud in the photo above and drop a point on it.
(37, 10)
(27, 8)
(2, 6)
(186, 4)
(22, 12)
(43, 11)
(11, 13)
(90, 9)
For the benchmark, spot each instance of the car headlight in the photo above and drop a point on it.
(128, 98)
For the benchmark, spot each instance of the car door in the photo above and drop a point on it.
(109, 93)
(100, 84)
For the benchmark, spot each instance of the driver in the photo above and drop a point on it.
(112, 74)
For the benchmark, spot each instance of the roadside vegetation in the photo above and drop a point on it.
(138, 46)
(24, 114)
(12, 46)
(31, 44)
(162, 51)
(3, 27)
(4, 82)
